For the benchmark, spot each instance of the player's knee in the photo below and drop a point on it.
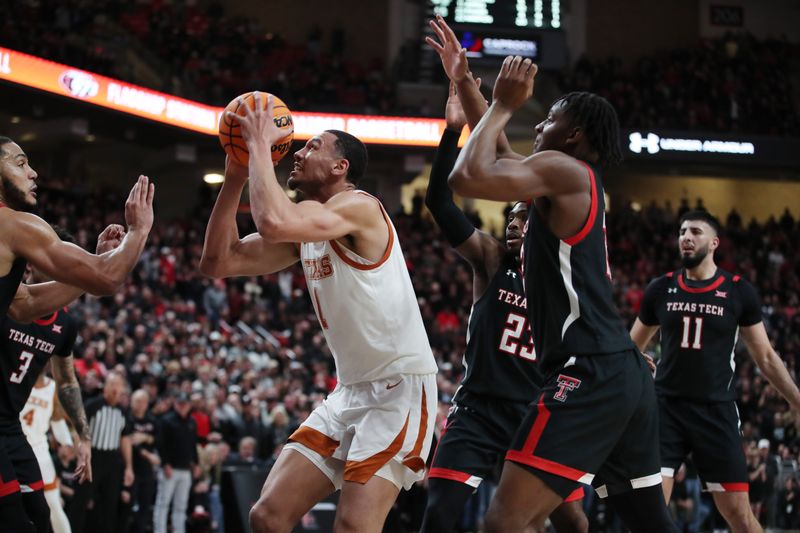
(499, 520)
(268, 517)
(573, 522)
(738, 515)
(437, 517)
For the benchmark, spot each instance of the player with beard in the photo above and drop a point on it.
(26, 238)
(701, 311)
(371, 435)
(501, 375)
(595, 418)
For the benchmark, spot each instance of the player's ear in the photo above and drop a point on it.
(715, 242)
(575, 135)
(340, 166)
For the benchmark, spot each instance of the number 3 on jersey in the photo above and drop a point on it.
(25, 359)
(509, 342)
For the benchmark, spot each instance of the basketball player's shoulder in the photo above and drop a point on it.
(663, 281)
(356, 205)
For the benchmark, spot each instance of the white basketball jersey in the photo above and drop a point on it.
(368, 311)
(35, 416)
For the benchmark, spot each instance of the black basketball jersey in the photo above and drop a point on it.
(500, 359)
(568, 285)
(699, 327)
(10, 283)
(24, 352)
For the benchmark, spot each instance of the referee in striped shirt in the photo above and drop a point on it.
(112, 465)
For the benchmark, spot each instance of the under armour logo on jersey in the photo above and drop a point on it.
(511, 273)
(566, 384)
(57, 328)
(721, 294)
(672, 290)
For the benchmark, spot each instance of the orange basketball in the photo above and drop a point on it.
(230, 133)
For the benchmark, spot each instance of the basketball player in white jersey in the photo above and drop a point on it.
(372, 435)
(42, 412)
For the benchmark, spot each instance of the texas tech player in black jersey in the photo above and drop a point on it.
(501, 375)
(595, 419)
(701, 311)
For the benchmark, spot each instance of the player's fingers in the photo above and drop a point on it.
(151, 192)
(434, 24)
(258, 102)
(433, 44)
(449, 33)
(144, 189)
(506, 66)
(514, 67)
(270, 105)
(243, 104)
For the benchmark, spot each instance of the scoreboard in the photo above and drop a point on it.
(500, 14)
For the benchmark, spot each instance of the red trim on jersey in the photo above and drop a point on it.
(446, 473)
(576, 495)
(8, 487)
(736, 487)
(36, 485)
(47, 321)
(542, 417)
(340, 249)
(736, 278)
(695, 290)
(587, 227)
(545, 465)
(669, 274)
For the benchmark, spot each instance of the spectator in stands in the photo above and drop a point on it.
(788, 505)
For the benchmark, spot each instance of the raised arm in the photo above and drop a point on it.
(69, 395)
(757, 342)
(479, 173)
(277, 218)
(32, 238)
(456, 66)
(479, 248)
(224, 253)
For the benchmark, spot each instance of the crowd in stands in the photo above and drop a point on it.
(250, 355)
(733, 84)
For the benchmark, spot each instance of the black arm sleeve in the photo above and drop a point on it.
(439, 198)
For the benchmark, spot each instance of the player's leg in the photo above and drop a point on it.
(735, 509)
(363, 506)
(12, 511)
(673, 440)
(569, 516)
(294, 484)
(445, 506)
(31, 485)
(58, 518)
(643, 510)
(37, 509)
(721, 463)
(523, 498)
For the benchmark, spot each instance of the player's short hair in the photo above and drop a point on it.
(352, 149)
(598, 119)
(4, 141)
(703, 216)
(63, 234)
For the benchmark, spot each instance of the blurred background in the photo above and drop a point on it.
(707, 93)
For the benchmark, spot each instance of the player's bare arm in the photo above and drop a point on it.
(641, 335)
(32, 238)
(69, 395)
(757, 342)
(481, 250)
(456, 66)
(479, 173)
(279, 220)
(224, 253)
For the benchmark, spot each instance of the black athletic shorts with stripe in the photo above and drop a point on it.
(19, 470)
(475, 439)
(595, 422)
(710, 432)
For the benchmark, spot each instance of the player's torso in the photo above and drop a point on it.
(25, 350)
(10, 283)
(368, 311)
(568, 285)
(500, 358)
(699, 327)
(37, 412)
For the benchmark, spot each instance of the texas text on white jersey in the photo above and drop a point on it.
(368, 311)
(35, 416)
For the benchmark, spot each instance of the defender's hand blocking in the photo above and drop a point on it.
(258, 124)
(83, 470)
(453, 56)
(139, 206)
(454, 115)
(515, 82)
(110, 239)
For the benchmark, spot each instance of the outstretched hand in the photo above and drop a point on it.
(139, 206)
(454, 115)
(83, 470)
(453, 56)
(514, 84)
(110, 238)
(258, 124)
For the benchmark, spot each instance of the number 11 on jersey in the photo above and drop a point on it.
(698, 332)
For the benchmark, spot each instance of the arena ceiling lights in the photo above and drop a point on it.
(72, 82)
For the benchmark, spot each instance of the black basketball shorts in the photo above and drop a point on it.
(595, 422)
(19, 470)
(710, 432)
(475, 439)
